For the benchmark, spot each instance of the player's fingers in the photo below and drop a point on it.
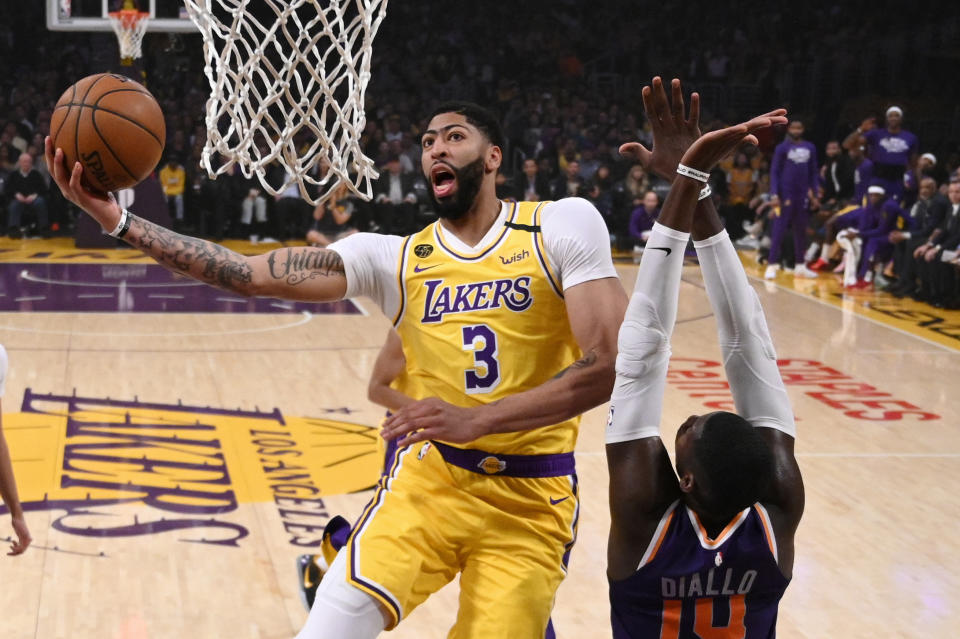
(58, 171)
(648, 108)
(694, 119)
(48, 153)
(75, 178)
(659, 98)
(676, 102)
(634, 151)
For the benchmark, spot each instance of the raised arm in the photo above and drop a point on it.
(302, 273)
(642, 481)
(750, 363)
(856, 137)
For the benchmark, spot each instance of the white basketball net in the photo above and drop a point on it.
(130, 27)
(289, 90)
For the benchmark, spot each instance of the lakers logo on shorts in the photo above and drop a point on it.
(492, 465)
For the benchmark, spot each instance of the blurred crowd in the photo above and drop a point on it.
(842, 188)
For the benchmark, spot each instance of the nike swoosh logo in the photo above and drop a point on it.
(662, 248)
(417, 269)
(554, 502)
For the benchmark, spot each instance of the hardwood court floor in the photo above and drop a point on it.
(175, 463)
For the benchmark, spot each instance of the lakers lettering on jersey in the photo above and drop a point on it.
(474, 325)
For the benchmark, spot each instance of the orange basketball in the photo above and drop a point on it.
(113, 126)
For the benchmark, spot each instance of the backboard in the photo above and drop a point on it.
(166, 16)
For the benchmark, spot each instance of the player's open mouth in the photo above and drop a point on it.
(444, 181)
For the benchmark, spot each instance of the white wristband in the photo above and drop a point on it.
(705, 192)
(123, 225)
(690, 172)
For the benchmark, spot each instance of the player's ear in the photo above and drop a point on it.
(686, 482)
(494, 158)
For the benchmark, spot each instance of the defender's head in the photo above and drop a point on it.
(462, 151)
(723, 463)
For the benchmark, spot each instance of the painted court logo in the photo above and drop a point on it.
(109, 469)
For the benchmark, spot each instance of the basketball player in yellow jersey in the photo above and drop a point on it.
(508, 314)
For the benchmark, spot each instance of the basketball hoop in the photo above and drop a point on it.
(287, 84)
(130, 26)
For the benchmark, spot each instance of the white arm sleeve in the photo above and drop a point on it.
(577, 242)
(370, 261)
(4, 365)
(748, 355)
(643, 346)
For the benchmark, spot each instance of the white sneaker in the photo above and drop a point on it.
(254, 238)
(771, 272)
(801, 270)
(811, 253)
(269, 240)
(747, 243)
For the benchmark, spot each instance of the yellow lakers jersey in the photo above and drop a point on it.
(479, 327)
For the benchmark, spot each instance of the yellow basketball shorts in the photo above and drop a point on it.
(510, 537)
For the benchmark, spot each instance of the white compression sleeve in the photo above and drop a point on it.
(643, 346)
(748, 355)
(340, 610)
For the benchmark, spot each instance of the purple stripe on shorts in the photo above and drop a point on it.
(372, 507)
(484, 463)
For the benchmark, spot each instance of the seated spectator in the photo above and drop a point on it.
(252, 206)
(628, 193)
(394, 199)
(741, 187)
(291, 211)
(26, 193)
(925, 216)
(642, 219)
(530, 185)
(568, 183)
(333, 218)
(935, 258)
(867, 244)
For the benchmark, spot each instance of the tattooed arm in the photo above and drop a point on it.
(302, 273)
(595, 309)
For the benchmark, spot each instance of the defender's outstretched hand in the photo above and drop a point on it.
(712, 147)
(101, 206)
(673, 132)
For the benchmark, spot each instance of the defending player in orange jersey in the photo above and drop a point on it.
(706, 551)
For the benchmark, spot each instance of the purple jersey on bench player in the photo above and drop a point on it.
(690, 586)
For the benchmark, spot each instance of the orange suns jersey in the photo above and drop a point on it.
(477, 327)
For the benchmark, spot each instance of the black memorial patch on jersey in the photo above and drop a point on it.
(423, 250)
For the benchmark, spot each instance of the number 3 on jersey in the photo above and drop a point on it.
(485, 374)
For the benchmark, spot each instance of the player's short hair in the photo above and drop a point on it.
(482, 118)
(735, 463)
